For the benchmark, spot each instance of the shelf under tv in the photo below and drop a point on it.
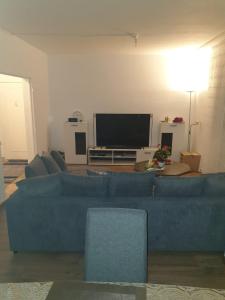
(106, 156)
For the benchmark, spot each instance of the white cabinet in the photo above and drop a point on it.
(75, 142)
(104, 156)
(173, 135)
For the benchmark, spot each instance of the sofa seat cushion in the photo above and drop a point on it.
(86, 186)
(36, 168)
(179, 186)
(190, 223)
(214, 185)
(49, 185)
(131, 184)
(59, 160)
(98, 173)
(50, 164)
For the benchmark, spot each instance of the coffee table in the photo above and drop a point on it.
(174, 169)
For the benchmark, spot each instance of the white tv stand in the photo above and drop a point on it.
(106, 156)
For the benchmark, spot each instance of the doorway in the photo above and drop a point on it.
(17, 130)
(16, 118)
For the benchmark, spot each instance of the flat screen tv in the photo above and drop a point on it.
(122, 130)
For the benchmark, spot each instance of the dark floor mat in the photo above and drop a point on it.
(16, 162)
(9, 179)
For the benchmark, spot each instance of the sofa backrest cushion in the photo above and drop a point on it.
(87, 186)
(59, 160)
(214, 185)
(175, 186)
(50, 164)
(49, 185)
(131, 184)
(36, 168)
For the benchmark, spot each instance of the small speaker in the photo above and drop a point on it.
(80, 143)
(76, 142)
(167, 140)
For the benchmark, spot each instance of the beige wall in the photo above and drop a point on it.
(112, 84)
(20, 59)
(210, 136)
(115, 83)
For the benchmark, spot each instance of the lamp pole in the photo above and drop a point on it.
(189, 120)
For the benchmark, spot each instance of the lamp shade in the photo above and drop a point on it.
(188, 69)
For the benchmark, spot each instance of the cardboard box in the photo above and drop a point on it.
(192, 159)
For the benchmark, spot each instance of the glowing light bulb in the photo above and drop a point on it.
(188, 69)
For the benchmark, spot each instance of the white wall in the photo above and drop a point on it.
(210, 136)
(12, 118)
(110, 83)
(20, 59)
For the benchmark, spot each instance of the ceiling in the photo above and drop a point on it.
(76, 26)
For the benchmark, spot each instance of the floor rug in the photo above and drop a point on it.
(24, 291)
(40, 291)
(174, 292)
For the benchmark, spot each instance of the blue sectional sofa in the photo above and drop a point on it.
(48, 213)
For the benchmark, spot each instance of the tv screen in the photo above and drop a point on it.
(122, 130)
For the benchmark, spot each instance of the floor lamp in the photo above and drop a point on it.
(189, 72)
(189, 121)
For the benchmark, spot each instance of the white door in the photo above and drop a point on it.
(12, 121)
